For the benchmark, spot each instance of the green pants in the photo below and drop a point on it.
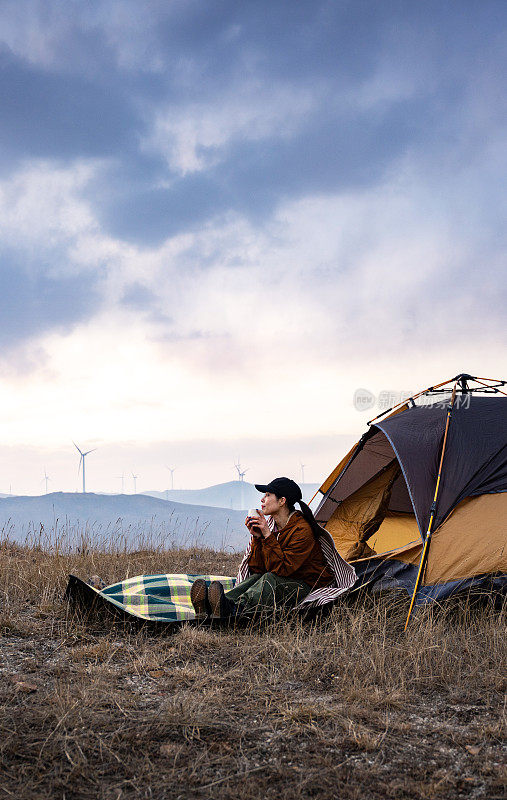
(266, 592)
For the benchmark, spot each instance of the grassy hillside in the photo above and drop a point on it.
(105, 518)
(350, 707)
(233, 494)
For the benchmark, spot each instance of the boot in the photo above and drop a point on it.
(221, 606)
(199, 598)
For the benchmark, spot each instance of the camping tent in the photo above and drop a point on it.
(430, 470)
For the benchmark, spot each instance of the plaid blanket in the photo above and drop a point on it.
(166, 598)
(154, 598)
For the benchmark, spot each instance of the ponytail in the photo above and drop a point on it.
(306, 511)
(310, 519)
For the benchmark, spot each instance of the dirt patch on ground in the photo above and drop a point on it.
(349, 707)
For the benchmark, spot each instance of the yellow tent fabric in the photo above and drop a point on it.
(472, 541)
(356, 517)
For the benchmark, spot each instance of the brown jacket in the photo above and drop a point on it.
(292, 552)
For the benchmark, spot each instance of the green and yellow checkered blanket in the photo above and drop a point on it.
(155, 598)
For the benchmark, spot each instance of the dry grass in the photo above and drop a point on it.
(345, 707)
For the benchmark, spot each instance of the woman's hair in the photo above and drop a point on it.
(306, 512)
(310, 519)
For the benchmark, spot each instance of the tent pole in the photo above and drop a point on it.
(413, 397)
(494, 380)
(490, 387)
(314, 496)
(354, 454)
(438, 386)
(427, 538)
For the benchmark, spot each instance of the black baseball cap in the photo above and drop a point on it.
(282, 487)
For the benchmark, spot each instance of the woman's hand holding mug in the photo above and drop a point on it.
(257, 524)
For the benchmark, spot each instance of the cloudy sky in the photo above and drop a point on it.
(219, 219)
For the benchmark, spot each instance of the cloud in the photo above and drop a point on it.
(138, 296)
(197, 111)
(32, 304)
(194, 137)
(253, 174)
(220, 219)
(42, 287)
(56, 115)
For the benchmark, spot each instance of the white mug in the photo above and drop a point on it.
(252, 513)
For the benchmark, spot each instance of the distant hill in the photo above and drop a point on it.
(234, 495)
(110, 519)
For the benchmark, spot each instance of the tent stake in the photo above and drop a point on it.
(427, 538)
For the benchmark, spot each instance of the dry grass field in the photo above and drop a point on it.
(343, 707)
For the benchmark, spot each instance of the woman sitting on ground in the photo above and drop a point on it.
(284, 562)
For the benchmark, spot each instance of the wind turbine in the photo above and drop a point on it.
(241, 473)
(82, 457)
(172, 470)
(135, 477)
(122, 479)
(302, 472)
(46, 479)
(241, 476)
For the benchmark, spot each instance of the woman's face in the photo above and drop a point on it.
(270, 504)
